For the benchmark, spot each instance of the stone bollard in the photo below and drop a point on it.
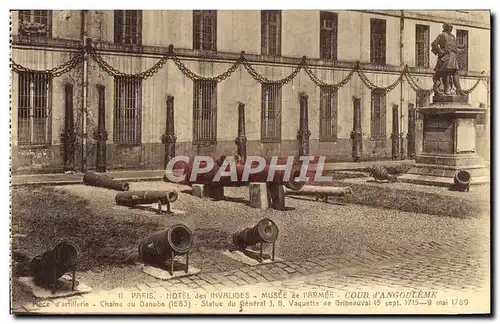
(198, 190)
(258, 195)
(215, 192)
(276, 196)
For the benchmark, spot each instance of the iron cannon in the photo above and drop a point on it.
(132, 198)
(104, 181)
(163, 246)
(51, 265)
(280, 176)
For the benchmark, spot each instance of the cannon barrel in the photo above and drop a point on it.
(279, 177)
(266, 231)
(104, 181)
(461, 181)
(53, 264)
(161, 246)
(378, 172)
(320, 190)
(132, 198)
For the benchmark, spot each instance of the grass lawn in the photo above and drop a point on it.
(44, 216)
(411, 201)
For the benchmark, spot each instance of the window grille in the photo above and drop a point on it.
(127, 117)
(378, 115)
(328, 114)
(34, 109)
(271, 112)
(205, 112)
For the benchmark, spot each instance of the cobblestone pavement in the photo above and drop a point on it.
(456, 271)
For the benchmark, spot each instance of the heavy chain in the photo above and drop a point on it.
(414, 85)
(263, 79)
(54, 72)
(467, 91)
(373, 86)
(314, 78)
(114, 72)
(193, 76)
(79, 57)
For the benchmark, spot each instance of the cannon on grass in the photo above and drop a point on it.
(134, 198)
(379, 173)
(104, 181)
(164, 246)
(51, 265)
(322, 193)
(461, 181)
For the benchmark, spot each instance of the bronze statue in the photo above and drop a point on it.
(446, 70)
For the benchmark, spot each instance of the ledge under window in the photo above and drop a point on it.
(270, 140)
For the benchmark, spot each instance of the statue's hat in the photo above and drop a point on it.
(447, 26)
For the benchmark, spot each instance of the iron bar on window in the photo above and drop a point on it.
(328, 114)
(34, 109)
(378, 115)
(127, 117)
(271, 112)
(205, 112)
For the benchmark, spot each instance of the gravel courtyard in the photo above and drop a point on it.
(308, 229)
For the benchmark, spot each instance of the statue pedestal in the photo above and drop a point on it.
(449, 144)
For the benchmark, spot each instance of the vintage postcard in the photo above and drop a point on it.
(250, 161)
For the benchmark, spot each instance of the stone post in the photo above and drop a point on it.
(411, 136)
(395, 132)
(304, 133)
(357, 131)
(101, 135)
(169, 137)
(68, 137)
(241, 140)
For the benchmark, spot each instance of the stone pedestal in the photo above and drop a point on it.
(213, 191)
(276, 194)
(258, 195)
(198, 190)
(449, 144)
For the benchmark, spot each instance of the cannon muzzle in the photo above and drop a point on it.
(165, 245)
(461, 181)
(53, 264)
(104, 181)
(266, 231)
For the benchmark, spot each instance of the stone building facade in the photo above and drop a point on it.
(55, 114)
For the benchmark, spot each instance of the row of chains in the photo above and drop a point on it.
(242, 60)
